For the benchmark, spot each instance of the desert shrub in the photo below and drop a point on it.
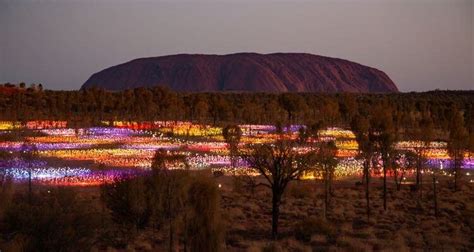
(468, 214)
(351, 244)
(204, 226)
(128, 201)
(53, 221)
(307, 227)
(169, 197)
(185, 207)
(168, 194)
(238, 185)
(6, 192)
(359, 223)
(245, 185)
(300, 190)
(272, 247)
(218, 174)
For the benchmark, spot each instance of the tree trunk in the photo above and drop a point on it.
(30, 190)
(326, 193)
(418, 172)
(330, 180)
(421, 184)
(185, 240)
(275, 213)
(435, 197)
(171, 234)
(170, 219)
(384, 185)
(363, 174)
(456, 173)
(367, 176)
(395, 178)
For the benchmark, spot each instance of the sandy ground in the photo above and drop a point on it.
(408, 224)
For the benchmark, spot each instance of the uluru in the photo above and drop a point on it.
(276, 72)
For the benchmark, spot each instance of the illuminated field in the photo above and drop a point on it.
(92, 156)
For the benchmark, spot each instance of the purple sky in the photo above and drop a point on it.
(421, 44)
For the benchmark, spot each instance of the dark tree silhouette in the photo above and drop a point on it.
(279, 164)
(326, 164)
(128, 201)
(29, 153)
(170, 189)
(232, 135)
(457, 145)
(423, 134)
(384, 137)
(361, 128)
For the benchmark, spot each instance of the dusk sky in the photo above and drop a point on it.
(421, 44)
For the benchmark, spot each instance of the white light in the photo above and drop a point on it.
(220, 185)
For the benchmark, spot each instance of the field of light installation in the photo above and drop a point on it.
(92, 156)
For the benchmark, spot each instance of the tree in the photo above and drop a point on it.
(203, 228)
(303, 135)
(29, 153)
(6, 186)
(232, 135)
(310, 132)
(348, 107)
(434, 177)
(402, 161)
(361, 128)
(292, 104)
(4, 157)
(128, 200)
(329, 111)
(279, 164)
(170, 188)
(219, 108)
(423, 135)
(457, 145)
(199, 108)
(189, 204)
(326, 164)
(383, 135)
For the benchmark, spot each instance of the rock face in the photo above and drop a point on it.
(278, 72)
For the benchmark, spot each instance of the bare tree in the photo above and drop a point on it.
(278, 163)
(434, 179)
(457, 145)
(29, 153)
(326, 164)
(423, 134)
(361, 128)
(232, 135)
(383, 135)
(402, 161)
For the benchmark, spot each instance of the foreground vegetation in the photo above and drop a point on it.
(242, 222)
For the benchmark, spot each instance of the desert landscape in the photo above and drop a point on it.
(212, 125)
